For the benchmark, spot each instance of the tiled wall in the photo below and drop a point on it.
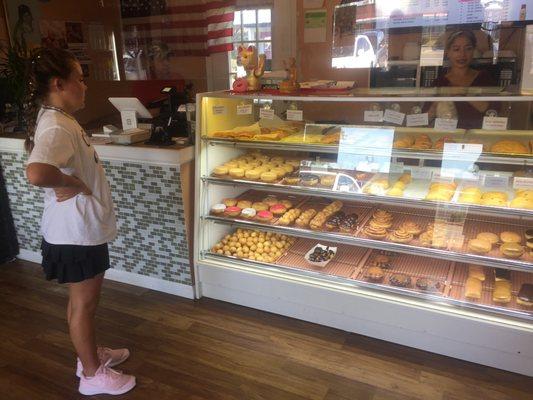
(151, 240)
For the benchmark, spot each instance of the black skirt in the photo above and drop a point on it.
(71, 263)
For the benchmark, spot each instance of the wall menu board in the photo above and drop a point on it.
(408, 13)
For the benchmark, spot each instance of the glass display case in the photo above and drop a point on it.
(387, 197)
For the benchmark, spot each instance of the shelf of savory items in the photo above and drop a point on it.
(435, 155)
(410, 275)
(357, 235)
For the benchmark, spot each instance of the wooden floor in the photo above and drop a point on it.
(184, 349)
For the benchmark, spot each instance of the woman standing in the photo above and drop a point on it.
(78, 219)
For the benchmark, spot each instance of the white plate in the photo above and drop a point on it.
(323, 263)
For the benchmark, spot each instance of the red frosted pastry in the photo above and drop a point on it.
(232, 211)
(264, 216)
(278, 209)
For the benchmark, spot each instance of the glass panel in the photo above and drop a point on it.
(249, 25)
(266, 49)
(264, 16)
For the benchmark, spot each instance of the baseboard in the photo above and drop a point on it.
(178, 289)
(131, 278)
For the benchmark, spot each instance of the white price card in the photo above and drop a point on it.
(494, 123)
(373, 116)
(394, 117)
(445, 124)
(417, 119)
(295, 115)
(421, 173)
(219, 110)
(457, 149)
(523, 183)
(496, 181)
(244, 109)
(266, 113)
(445, 175)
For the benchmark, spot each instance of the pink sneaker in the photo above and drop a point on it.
(108, 357)
(106, 381)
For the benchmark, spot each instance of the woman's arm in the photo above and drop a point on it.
(48, 176)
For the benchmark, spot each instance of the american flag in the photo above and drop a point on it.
(184, 27)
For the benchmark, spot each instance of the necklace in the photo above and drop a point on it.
(59, 110)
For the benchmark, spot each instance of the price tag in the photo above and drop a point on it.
(496, 182)
(417, 119)
(219, 110)
(494, 123)
(396, 168)
(456, 149)
(394, 117)
(295, 115)
(266, 113)
(445, 175)
(244, 109)
(421, 173)
(523, 183)
(373, 116)
(445, 124)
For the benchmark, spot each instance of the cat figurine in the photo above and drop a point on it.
(253, 65)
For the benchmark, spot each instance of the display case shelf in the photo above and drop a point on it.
(351, 196)
(522, 160)
(375, 287)
(517, 265)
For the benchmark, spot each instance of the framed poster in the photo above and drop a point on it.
(23, 24)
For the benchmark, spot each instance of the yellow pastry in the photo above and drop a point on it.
(479, 246)
(399, 185)
(396, 192)
(502, 292)
(473, 288)
(236, 172)
(221, 170)
(512, 250)
(327, 180)
(269, 177)
(495, 195)
(471, 191)
(252, 174)
(490, 237)
(467, 199)
(476, 271)
(509, 146)
(287, 167)
(260, 206)
(522, 202)
(510, 237)
(244, 204)
(280, 172)
(405, 178)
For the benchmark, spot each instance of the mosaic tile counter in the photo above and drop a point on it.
(149, 202)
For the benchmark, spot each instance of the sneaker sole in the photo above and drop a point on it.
(124, 389)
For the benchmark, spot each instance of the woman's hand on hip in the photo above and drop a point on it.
(74, 186)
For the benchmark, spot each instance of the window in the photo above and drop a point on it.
(251, 27)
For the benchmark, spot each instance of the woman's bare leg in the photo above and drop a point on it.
(84, 297)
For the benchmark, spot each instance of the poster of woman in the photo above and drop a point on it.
(23, 17)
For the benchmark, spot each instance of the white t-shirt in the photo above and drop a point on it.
(83, 220)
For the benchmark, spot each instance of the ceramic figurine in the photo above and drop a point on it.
(253, 65)
(290, 85)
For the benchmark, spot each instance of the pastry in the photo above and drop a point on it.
(333, 222)
(525, 295)
(309, 179)
(221, 170)
(400, 236)
(286, 203)
(264, 216)
(303, 220)
(411, 227)
(289, 217)
(244, 204)
(522, 202)
(529, 234)
(348, 224)
(400, 280)
(405, 178)
(510, 237)
(232, 211)
(270, 200)
(399, 185)
(252, 174)
(278, 209)
(473, 288)
(427, 284)
(490, 237)
(512, 250)
(496, 195)
(287, 167)
(502, 292)
(269, 177)
(476, 271)
(231, 164)
(501, 274)
(259, 206)
(292, 179)
(236, 172)
(382, 214)
(493, 201)
(229, 202)
(218, 208)
(320, 254)
(280, 172)
(375, 233)
(395, 192)
(383, 261)
(479, 246)
(327, 180)
(377, 223)
(248, 213)
(374, 274)
(509, 146)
